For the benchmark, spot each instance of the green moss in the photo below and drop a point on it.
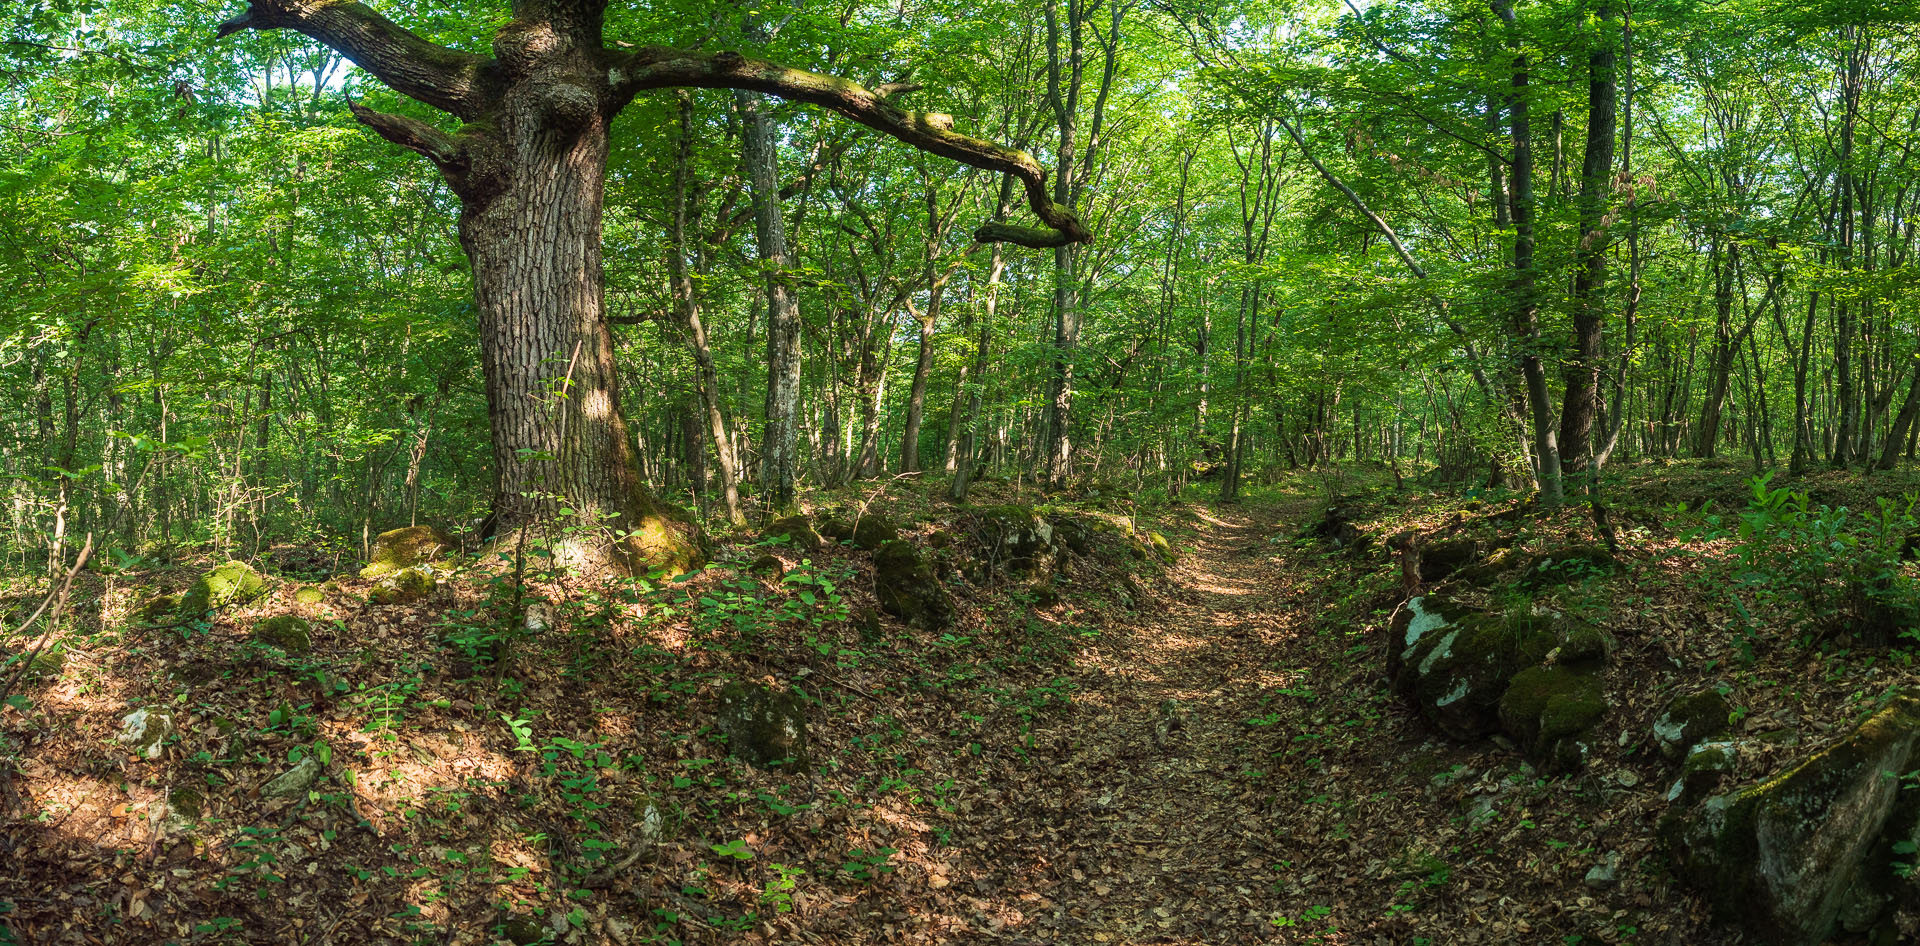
(798, 530)
(232, 583)
(401, 548)
(1162, 547)
(309, 595)
(1551, 710)
(872, 530)
(403, 586)
(157, 607)
(907, 588)
(1690, 720)
(288, 632)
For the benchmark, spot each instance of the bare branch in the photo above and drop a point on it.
(659, 68)
(447, 79)
(414, 135)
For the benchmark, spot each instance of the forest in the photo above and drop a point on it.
(960, 471)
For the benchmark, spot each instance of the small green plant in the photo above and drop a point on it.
(778, 892)
(736, 849)
(867, 867)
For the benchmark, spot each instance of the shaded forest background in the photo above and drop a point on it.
(235, 317)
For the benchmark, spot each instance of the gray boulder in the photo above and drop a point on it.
(1800, 856)
(1453, 663)
(1690, 720)
(294, 782)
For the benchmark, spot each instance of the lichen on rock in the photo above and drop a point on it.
(1689, 720)
(1788, 856)
(1453, 663)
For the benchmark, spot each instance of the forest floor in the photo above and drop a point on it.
(1216, 761)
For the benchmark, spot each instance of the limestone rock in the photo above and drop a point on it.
(232, 583)
(1690, 720)
(651, 823)
(144, 732)
(764, 728)
(1019, 542)
(403, 587)
(1453, 663)
(1704, 769)
(288, 632)
(309, 596)
(797, 530)
(294, 782)
(1787, 857)
(401, 548)
(1569, 565)
(907, 588)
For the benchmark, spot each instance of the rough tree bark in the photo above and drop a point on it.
(528, 164)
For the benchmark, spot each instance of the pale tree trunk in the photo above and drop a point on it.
(528, 166)
(780, 438)
(686, 303)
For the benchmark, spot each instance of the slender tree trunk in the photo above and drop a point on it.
(1523, 286)
(779, 441)
(1589, 281)
(686, 302)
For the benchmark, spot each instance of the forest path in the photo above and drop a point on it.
(1156, 824)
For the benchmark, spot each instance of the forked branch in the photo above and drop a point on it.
(447, 79)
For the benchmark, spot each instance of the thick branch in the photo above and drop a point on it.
(930, 132)
(414, 135)
(446, 79)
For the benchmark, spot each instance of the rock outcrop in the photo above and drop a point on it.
(1812, 852)
(1472, 673)
(907, 588)
(407, 547)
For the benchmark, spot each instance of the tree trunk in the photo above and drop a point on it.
(1589, 281)
(1526, 306)
(779, 441)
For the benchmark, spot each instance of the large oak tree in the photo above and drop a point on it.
(528, 164)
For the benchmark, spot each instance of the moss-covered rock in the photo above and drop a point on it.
(1162, 548)
(157, 608)
(907, 588)
(797, 530)
(288, 632)
(403, 587)
(144, 732)
(405, 547)
(228, 584)
(1552, 710)
(1018, 542)
(768, 566)
(872, 530)
(1701, 773)
(1689, 720)
(309, 595)
(1453, 663)
(1788, 856)
(179, 812)
(764, 727)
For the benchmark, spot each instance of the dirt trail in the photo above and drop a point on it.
(1157, 816)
